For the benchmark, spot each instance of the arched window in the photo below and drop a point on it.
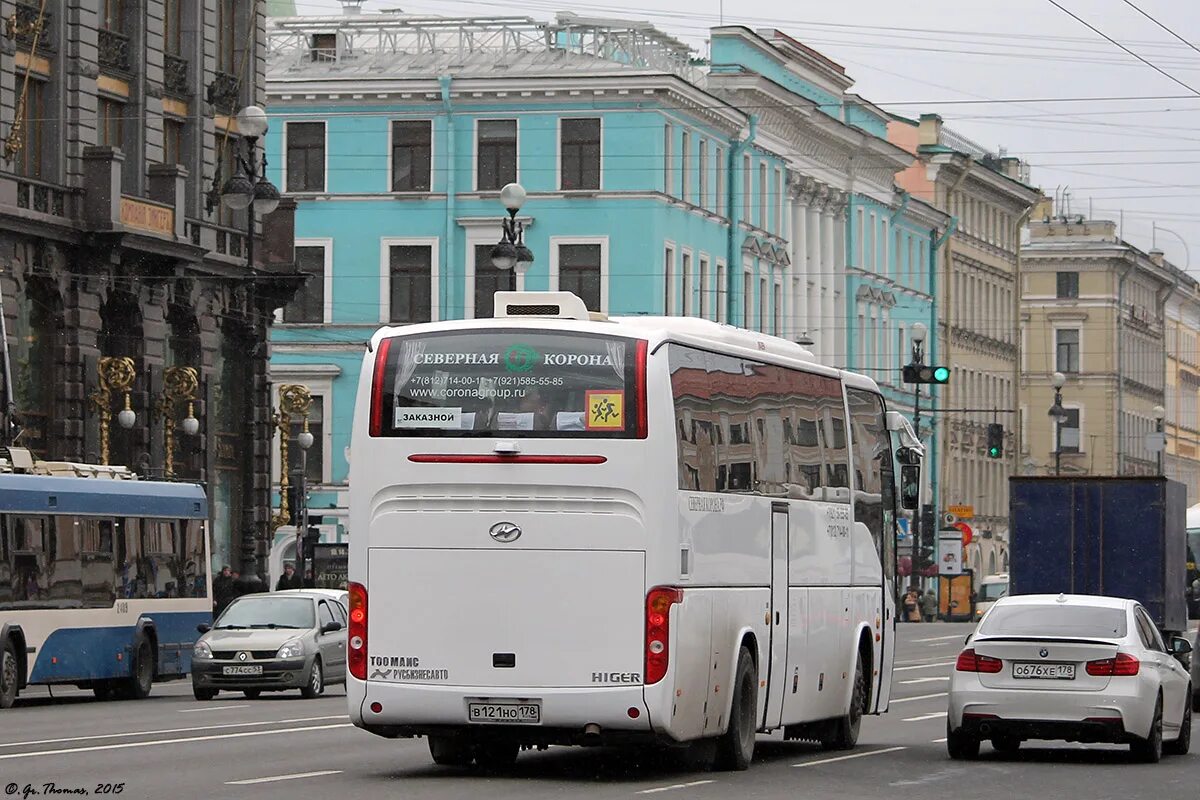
(38, 332)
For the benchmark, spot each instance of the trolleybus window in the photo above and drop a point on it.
(511, 383)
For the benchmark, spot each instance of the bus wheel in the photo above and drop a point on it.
(493, 756)
(8, 675)
(844, 730)
(137, 686)
(735, 748)
(447, 751)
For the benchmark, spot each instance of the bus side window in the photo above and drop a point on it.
(872, 458)
(7, 584)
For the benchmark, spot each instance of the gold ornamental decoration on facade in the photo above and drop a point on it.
(117, 374)
(294, 398)
(179, 385)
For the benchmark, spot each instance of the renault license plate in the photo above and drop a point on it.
(519, 712)
(1061, 672)
(247, 669)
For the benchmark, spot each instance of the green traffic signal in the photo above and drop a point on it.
(941, 374)
(993, 452)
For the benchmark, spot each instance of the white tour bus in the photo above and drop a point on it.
(569, 529)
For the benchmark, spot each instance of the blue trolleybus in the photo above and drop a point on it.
(103, 580)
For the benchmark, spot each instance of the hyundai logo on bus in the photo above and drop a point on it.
(505, 532)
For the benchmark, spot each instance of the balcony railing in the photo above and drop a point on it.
(224, 92)
(44, 198)
(114, 52)
(175, 77)
(22, 25)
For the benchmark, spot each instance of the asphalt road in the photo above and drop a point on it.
(280, 746)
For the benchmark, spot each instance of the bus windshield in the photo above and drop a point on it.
(991, 592)
(511, 382)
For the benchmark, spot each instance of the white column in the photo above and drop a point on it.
(799, 254)
(813, 273)
(830, 322)
(839, 278)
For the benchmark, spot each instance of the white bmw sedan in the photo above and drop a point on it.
(1070, 667)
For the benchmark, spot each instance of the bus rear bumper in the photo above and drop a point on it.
(581, 715)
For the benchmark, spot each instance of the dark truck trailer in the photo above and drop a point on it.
(1121, 537)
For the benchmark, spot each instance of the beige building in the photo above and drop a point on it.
(977, 322)
(1183, 384)
(1095, 308)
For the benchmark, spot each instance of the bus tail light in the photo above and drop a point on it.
(639, 388)
(658, 630)
(381, 357)
(356, 638)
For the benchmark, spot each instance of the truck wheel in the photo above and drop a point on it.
(9, 676)
(735, 748)
(844, 733)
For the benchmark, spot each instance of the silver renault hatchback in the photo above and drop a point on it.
(272, 642)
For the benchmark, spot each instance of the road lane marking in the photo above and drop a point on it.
(675, 786)
(939, 638)
(938, 741)
(924, 666)
(918, 697)
(291, 777)
(211, 708)
(125, 734)
(846, 758)
(925, 716)
(925, 680)
(160, 742)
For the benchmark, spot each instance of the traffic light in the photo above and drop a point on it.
(919, 373)
(995, 440)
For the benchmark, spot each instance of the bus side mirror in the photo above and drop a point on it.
(910, 486)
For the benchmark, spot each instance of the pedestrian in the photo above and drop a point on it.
(929, 605)
(222, 590)
(912, 610)
(289, 579)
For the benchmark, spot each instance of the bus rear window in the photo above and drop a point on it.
(518, 383)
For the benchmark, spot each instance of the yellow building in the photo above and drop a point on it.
(1093, 308)
(1183, 385)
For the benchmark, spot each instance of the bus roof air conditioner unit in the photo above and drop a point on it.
(557, 305)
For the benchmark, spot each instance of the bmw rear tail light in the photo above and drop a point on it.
(356, 640)
(1123, 665)
(658, 630)
(970, 661)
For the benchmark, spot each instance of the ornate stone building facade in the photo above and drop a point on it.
(118, 126)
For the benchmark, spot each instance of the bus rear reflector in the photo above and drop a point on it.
(658, 630)
(356, 638)
(381, 357)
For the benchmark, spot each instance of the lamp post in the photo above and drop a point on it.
(248, 187)
(294, 398)
(1160, 416)
(510, 252)
(117, 373)
(917, 336)
(305, 440)
(1059, 415)
(179, 383)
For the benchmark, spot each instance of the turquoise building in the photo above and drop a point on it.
(656, 184)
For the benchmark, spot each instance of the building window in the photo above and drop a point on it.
(412, 155)
(309, 303)
(722, 293)
(172, 141)
(668, 159)
(29, 159)
(1068, 285)
(313, 461)
(1070, 440)
(496, 146)
(114, 16)
(111, 119)
(747, 187)
(580, 154)
(411, 277)
(323, 48)
(1066, 346)
(702, 167)
(777, 310)
(777, 203)
(705, 290)
(685, 166)
(669, 280)
(685, 271)
(764, 305)
(762, 195)
(305, 156)
(172, 28)
(747, 299)
(489, 280)
(720, 166)
(579, 272)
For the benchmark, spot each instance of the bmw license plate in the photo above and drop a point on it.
(239, 669)
(520, 712)
(1061, 672)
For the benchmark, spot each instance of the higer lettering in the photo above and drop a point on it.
(546, 474)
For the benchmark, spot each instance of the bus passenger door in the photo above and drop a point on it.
(777, 669)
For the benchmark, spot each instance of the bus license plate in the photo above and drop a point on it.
(242, 670)
(1062, 672)
(505, 713)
